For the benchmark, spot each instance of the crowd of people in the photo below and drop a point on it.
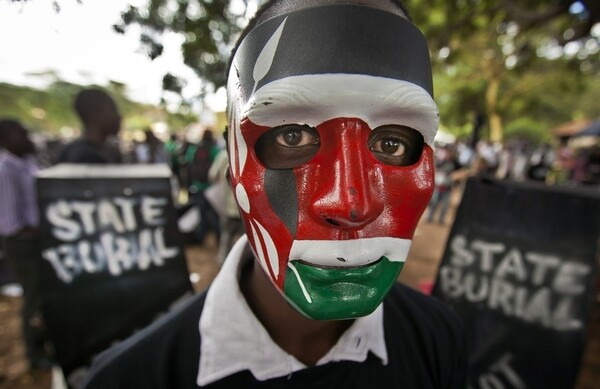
(201, 172)
(557, 164)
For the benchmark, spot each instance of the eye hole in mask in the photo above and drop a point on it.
(396, 145)
(292, 145)
(287, 146)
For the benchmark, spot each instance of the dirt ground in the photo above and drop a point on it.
(419, 272)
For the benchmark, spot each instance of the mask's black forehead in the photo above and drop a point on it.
(340, 38)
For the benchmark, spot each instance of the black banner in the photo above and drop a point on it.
(520, 268)
(112, 254)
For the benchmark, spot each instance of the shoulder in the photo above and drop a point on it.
(6, 162)
(12, 168)
(4, 168)
(80, 151)
(428, 313)
(75, 145)
(430, 333)
(164, 352)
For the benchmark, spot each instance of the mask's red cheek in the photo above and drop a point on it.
(408, 193)
(269, 235)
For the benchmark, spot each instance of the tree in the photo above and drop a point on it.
(488, 54)
(491, 58)
(208, 26)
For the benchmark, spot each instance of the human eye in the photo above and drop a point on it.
(287, 146)
(296, 136)
(396, 145)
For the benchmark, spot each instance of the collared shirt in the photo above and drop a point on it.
(18, 207)
(234, 340)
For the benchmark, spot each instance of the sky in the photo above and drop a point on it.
(79, 44)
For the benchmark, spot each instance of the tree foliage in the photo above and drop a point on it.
(491, 57)
(500, 59)
(509, 58)
(208, 28)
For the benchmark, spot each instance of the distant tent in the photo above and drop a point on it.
(592, 130)
(571, 129)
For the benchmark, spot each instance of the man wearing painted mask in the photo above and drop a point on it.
(331, 121)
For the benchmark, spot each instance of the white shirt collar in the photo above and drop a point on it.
(234, 340)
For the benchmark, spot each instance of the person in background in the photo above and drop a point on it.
(465, 154)
(19, 222)
(230, 223)
(539, 164)
(151, 150)
(560, 173)
(331, 125)
(173, 150)
(101, 121)
(489, 153)
(445, 165)
(199, 158)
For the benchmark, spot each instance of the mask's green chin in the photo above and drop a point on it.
(339, 293)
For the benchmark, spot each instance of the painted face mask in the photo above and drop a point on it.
(331, 121)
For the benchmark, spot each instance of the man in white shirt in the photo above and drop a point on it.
(331, 122)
